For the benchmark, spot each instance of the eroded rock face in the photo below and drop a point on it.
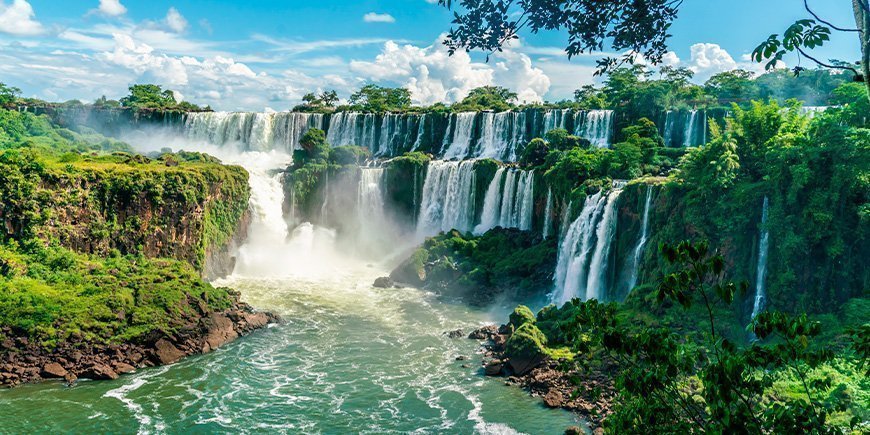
(22, 361)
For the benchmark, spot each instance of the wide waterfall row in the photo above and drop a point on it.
(449, 199)
(252, 131)
(468, 135)
(681, 128)
(582, 268)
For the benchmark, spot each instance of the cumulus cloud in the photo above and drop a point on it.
(175, 21)
(112, 8)
(707, 60)
(432, 75)
(18, 18)
(374, 17)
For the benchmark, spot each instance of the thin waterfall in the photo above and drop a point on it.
(507, 200)
(421, 130)
(641, 241)
(491, 203)
(668, 132)
(526, 200)
(690, 128)
(448, 198)
(761, 270)
(548, 213)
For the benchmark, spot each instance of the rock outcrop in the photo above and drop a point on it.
(22, 361)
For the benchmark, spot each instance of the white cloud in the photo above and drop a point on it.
(19, 19)
(374, 17)
(112, 8)
(432, 75)
(175, 21)
(707, 60)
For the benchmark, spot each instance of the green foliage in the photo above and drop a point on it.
(150, 96)
(374, 98)
(314, 146)
(349, 155)
(54, 295)
(535, 153)
(494, 98)
(521, 315)
(323, 103)
(8, 94)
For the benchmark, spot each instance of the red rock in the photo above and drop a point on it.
(220, 331)
(553, 399)
(493, 368)
(99, 372)
(122, 368)
(166, 352)
(53, 370)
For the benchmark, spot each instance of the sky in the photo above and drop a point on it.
(266, 54)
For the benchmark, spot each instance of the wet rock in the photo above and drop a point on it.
(384, 282)
(53, 371)
(461, 358)
(553, 399)
(454, 334)
(220, 332)
(122, 368)
(574, 430)
(483, 333)
(465, 366)
(70, 379)
(166, 352)
(99, 372)
(493, 368)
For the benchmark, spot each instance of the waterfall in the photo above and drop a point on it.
(582, 264)
(324, 208)
(370, 196)
(509, 201)
(556, 118)
(251, 131)
(690, 128)
(761, 270)
(421, 130)
(641, 241)
(668, 132)
(595, 126)
(548, 212)
(457, 141)
(491, 203)
(448, 198)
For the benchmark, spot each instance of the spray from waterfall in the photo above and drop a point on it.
(548, 213)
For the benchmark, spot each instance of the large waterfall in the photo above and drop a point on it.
(584, 252)
(761, 270)
(641, 241)
(253, 131)
(448, 198)
(465, 135)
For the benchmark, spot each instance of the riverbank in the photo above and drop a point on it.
(23, 360)
(589, 393)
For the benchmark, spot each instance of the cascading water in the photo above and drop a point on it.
(458, 140)
(595, 126)
(548, 213)
(509, 201)
(761, 269)
(582, 264)
(448, 198)
(251, 131)
(641, 241)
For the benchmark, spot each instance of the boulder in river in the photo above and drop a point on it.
(525, 349)
(384, 282)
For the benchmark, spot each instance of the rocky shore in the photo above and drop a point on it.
(23, 361)
(588, 392)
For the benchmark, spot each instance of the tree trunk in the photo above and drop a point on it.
(862, 19)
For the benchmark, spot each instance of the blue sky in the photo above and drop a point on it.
(266, 54)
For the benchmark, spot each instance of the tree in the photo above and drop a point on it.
(8, 94)
(808, 34)
(638, 27)
(732, 86)
(149, 96)
(314, 146)
(329, 98)
(590, 98)
(487, 98)
(374, 98)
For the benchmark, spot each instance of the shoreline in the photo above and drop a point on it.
(589, 394)
(24, 362)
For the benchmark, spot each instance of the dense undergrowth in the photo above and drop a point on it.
(99, 244)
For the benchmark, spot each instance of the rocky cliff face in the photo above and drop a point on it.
(197, 213)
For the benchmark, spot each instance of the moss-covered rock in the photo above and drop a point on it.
(521, 315)
(526, 348)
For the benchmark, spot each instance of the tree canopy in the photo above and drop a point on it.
(374, 98)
